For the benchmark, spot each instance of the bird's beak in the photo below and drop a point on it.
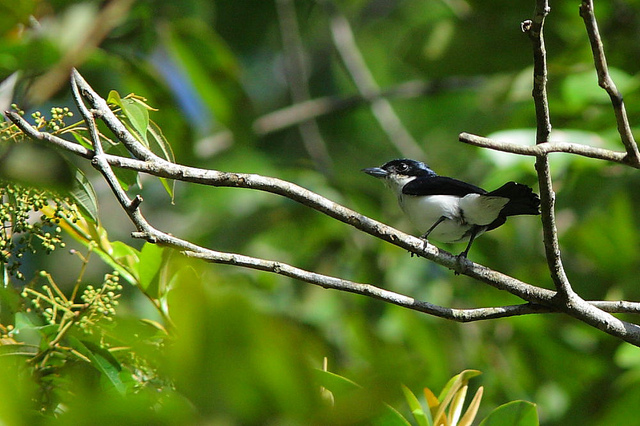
(376, 172)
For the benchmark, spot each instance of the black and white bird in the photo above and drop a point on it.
(450, 210)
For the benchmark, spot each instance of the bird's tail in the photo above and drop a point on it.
(522, 199)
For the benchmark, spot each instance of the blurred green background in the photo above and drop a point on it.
(246, 341)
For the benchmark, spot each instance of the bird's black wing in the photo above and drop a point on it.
(522, 199)
(440, 185)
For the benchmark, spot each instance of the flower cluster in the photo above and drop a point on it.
(100, 303)
(21, 231)
(55, 123)
(95, 304)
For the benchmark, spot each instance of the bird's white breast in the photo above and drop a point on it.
(424, 211)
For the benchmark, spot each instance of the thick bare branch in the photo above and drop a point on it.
(543, 134)
(148, 232)
(161, 168)
(151, 234)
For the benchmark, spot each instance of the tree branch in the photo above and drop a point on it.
(572, 303)
(543, 149)
(539, 299)
(356, 66)
(605, 81)
(297, 77)
(162, 168)
(547, 197)
(151, 234)
(317, 107)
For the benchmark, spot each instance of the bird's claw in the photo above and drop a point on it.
(425, 243)
(461, 263)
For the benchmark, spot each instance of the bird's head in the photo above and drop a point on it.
(397, 173)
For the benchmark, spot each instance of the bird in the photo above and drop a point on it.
(450, 210)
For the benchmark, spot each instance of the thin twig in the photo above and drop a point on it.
(297, 77)
(547, 148)
(102, 110)
(535, 30)
(318, 107)
(605, 81)
(356, 66)
(98, 160)
(104, 22)
(574, 305)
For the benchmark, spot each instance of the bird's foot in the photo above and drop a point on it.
(461, 263)
(425, 243)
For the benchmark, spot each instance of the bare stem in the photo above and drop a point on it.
(605, 81)
(297, 77)
(543, 134)
(547, 148)
(356, 66)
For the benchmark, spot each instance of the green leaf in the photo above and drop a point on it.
(136, 112)
(390, 417)
(114, 99)
(450, 391)
(515, 413)
(456, 382)
(31, 333)
(138, 116)
(102, 360)
(344, 389)
(149, 265)
(423, 418)
(85, 196)
(158, 139)
(126, 259)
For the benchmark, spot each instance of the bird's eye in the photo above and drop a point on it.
(403, 167)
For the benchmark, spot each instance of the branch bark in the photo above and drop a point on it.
(572, 304)
(537, 299)
(606, 82)
(543, 134)
(543, 149)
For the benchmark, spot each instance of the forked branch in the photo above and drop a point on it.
(573, 304)
(537, 299)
